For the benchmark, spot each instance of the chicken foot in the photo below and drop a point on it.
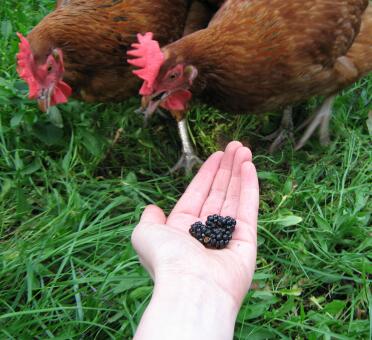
(198, 18)
(284, 132)
(188, 158)
(321, 118)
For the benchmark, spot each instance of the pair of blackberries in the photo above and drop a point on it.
(216, 233)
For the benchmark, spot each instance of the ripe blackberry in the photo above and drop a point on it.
(216, 233)
(210, 218)
(209, 224)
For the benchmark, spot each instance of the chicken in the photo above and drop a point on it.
(260, 55)
(199, 15)
(80, 47)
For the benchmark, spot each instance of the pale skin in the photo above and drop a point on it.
(198, 291)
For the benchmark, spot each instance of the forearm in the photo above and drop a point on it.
(188, 310)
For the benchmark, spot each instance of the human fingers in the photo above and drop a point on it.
(247, 213)
(196, 193)
(231, 203)
(217, 194)
(153, 214)
(143, 235)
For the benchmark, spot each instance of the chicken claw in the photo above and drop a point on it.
(284, 132)
(188, 158)
(187, 162)
(321, 118)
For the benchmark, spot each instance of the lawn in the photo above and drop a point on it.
(71, 196)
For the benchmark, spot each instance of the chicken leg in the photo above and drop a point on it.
(198, 18)
(188, 158)
(321, 118)
(285, 131)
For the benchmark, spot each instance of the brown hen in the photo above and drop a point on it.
(82, 45)
(263, 55)
(200, 14)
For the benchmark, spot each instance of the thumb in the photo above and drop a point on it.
(142, 240)
(153, 214)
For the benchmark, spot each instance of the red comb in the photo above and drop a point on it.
(149, 58)
(25, 64)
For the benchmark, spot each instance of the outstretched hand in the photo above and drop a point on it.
(226, 185)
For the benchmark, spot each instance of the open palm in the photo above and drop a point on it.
(227, 185)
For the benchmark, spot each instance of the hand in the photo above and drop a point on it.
(227, 185)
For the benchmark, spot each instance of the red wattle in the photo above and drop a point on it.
(177, 101)
(61, 93)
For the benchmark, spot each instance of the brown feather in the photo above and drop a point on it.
(360, 53)
(95, 36)
(260, 55)
(199, 16)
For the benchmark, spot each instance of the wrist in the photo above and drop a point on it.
(189, 308)
(188, 287)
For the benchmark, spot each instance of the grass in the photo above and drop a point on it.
(70, 198)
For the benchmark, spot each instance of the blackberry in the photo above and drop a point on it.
(214, 218)
(221, 221)
(216, 233)
(209, 224)
(229, 221)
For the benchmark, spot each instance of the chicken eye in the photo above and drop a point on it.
(173, 76)
(49, 69)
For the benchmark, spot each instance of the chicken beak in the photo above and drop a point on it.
(56, 55)
(43, 101)
(150, 104)
(151, 108)
(145, 101)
